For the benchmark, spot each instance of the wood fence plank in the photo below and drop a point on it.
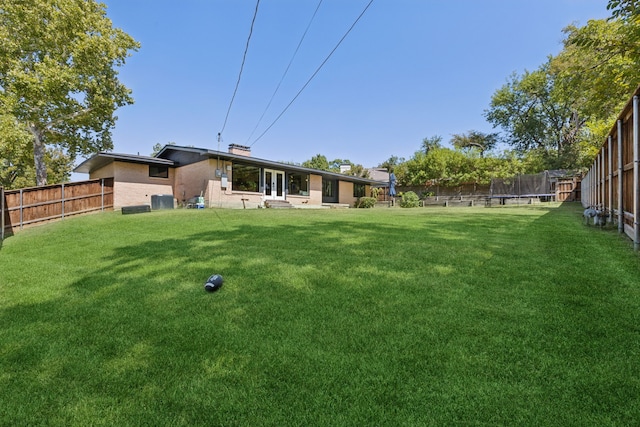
(40, 204)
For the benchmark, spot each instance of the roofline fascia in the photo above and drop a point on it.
(264, 162)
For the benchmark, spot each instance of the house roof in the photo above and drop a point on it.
(186, 155)
(104, 158)
(176, 156)
(379, 174)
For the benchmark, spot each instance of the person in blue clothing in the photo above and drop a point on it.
(392, 188)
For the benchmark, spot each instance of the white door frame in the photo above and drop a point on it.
(274, 184)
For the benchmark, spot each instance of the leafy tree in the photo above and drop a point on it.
(559, 115)
(318, 161)
(475, 141)
(14, 152)
(357, 170)
(535, 116)
(450, 168)
(157, 147)
(627, 10)
(335, 164)
(439, 165)
(391, 163)
(58, 75)
(431, 143)
(597, 68)
(16, 158)
(597, 71)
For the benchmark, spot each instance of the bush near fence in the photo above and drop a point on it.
(566, 189)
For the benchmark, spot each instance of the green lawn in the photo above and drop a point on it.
(378, 317)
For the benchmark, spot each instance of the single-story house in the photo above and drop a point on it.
(230, 179)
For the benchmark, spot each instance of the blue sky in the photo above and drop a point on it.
(409, 69)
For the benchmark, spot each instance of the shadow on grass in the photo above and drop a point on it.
(324, 319)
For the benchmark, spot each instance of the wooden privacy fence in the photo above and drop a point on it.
(37, 204)
(612, 183)
(568, 189)
(563, 189)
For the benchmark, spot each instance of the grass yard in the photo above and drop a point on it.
(379, 317)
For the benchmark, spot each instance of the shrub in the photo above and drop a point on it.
(410, 200)
(366, 202)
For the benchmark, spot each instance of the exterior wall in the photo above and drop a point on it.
(225, 197)
(215, 196)
(193, 180)
(345, 193)
(132, 184)
(105, 172)
(236, 199)
(315, 190)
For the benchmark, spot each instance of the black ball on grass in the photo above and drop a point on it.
(213, 283)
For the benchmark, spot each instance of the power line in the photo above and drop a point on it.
(285, 71)
(244, 57)
(314, 74)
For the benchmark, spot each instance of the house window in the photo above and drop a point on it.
(298, 184)
(327, 188)
(158, 171)
(245, 178)
(358, 190)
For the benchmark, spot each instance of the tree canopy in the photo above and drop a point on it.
(565, 108)
(475, 142)
(58, 77)
(320, 162)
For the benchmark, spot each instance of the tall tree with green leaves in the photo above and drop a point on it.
(356, 170)
(597, 70)
(319, 161)
(627, 10)
(475, 142)
(536, 116)
(391, 163)
(16, 157)
(431, 143)
(58, 75)
(15, 153)
(598, 67)
(450, 168)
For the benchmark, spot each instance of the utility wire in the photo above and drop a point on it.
(285, 71)
(313, 75)
(244, 57)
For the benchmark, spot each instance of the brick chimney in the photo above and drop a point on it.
(241, 150)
